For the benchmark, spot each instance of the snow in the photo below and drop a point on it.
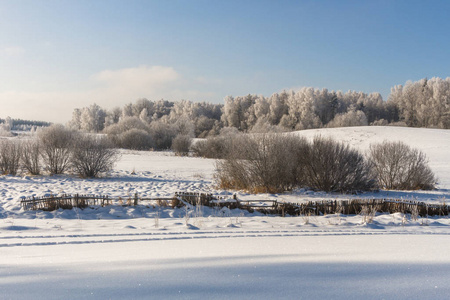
(147, 251)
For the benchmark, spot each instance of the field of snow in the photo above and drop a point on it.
(147, 251)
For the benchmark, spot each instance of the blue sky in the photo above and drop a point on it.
(57, 55)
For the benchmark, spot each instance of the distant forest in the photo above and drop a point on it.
(9, 124)
(424, 103)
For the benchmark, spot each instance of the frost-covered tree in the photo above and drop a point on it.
(92, 118)
(112, 116)
(144, 116)
(5, 127)
(277, 108)
(88, 119)
(424, 103)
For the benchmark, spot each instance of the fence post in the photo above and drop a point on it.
(135, 199)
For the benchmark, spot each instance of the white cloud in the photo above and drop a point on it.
(142, 77)
(14, 51)
(123, 85)
(117, 87)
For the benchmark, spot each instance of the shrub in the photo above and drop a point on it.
(261, 163)
(213, 147)
(398, 166)
(218, 146)
(10, 153)
(31, 150)
(181, 144)
(136, 139)
(92, 156)
(334, 167)
(162, 134)
(56, 142)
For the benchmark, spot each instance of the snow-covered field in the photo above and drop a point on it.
(156, 252)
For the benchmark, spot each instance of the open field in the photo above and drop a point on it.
(148, 251)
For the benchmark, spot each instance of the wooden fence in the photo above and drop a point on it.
(356, 206)
(196, 198)
(66, 201)
(346, 207)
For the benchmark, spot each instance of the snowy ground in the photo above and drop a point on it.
(157, 252)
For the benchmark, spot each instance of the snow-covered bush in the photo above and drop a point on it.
(162, 134)
(351, 118)
(10, 152)
(398, 166)
(31, 154)
(93, 155)
(130, 133)
(136, 139)
(181, 144)
(56, 142)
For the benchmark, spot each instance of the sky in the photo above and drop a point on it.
(58, 55)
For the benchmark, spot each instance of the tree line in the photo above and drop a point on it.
(424, 103)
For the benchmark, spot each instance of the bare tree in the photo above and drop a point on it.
(398, 166)
(93, 155)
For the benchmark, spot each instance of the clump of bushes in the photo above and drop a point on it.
(273, 163)
(398, 166)
(58, 150)
(135, 139)
(133, 133)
